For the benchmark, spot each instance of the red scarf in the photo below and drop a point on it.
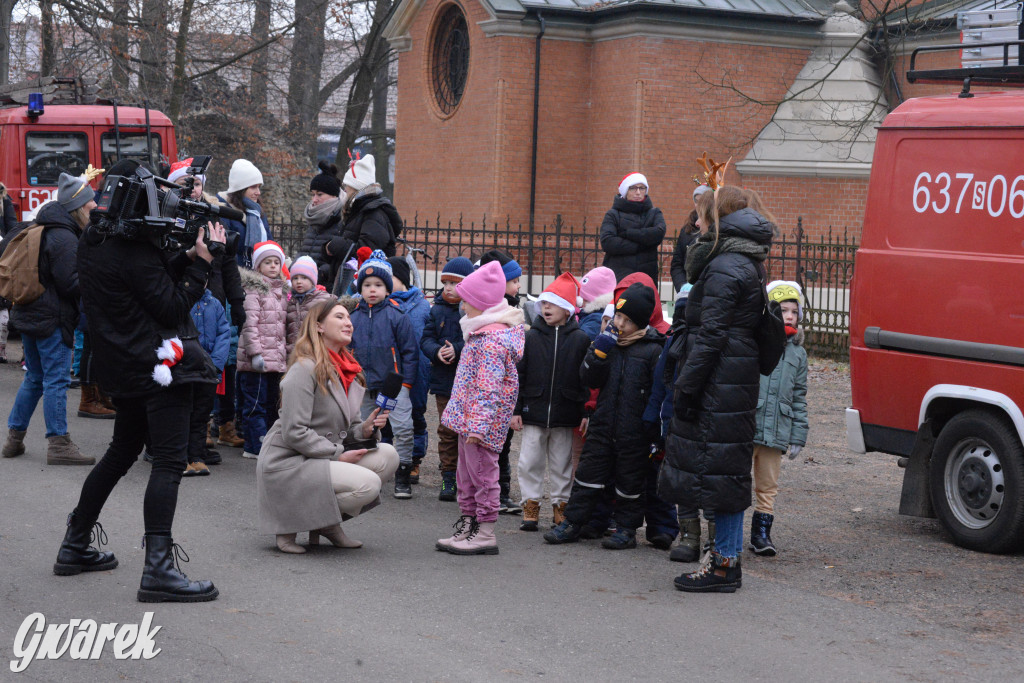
(346, 365)
(790, 331)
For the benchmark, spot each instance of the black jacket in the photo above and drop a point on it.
(135, 297)
(684, 240)
(442, 325)
(58, 272)
(9, 218)
(315, 239)
(551, 393)
(625, 378)
(630, 235)
(225, 282)
(371, 221)
(708, 460)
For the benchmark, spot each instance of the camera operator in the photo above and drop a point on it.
(137, 296)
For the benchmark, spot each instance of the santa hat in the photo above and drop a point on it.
(262, 250)
(564, 292)
(787, 290)
(360, 173)
(179, 169)
(630, 180)
(169, 353)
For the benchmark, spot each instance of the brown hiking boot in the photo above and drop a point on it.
(91, 404)
(531, 515)
(62, 451)
(228, 437)
(15, 444)
(557, 513)
(210, 443)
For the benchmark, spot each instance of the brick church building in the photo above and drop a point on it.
(646, 86)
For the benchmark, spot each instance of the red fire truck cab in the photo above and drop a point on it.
(35, 149)
(937, 311)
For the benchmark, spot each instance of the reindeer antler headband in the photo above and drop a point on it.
(714, 174)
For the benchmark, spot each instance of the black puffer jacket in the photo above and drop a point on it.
(625, 378)
(684, 240)
(58, 272)
(551, 393)
(135, 297)
(371, 220)
(630, 235)
(708, 461)
(319, 234)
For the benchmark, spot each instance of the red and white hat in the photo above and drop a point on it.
(262, 250)
(630, 180)
(564, 292)
(179, 170)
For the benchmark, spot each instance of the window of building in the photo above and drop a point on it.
(48, 154)
(449, 65)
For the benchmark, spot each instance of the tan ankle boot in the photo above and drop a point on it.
(463, 525)
(286, 544)
(91, 405)
(531, 515)
(63, 451)
(15, 444)
(479, 541)
(336, 535)
(228, 437)
(557, 513)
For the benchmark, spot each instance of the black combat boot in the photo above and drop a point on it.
(162, 580)
(76, 555)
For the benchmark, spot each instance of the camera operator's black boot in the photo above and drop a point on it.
(162, 580)
(76, 555)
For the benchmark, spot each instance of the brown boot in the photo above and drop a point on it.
(531, 515)
(15, 444)
(209, 438)
(557, 513)
(62, 451)
(227, 436)
(91, 405)
(105, 400)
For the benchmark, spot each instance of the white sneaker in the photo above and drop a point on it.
(251, 456)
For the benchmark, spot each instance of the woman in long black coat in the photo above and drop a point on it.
(710, 446)
(632, 230)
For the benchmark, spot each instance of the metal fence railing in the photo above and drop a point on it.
(823, 265)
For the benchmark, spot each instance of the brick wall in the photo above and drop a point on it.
(823, 203)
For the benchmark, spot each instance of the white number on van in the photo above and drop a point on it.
(994, 196)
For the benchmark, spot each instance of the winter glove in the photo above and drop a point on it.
(257, 363)
(794, 451)
(238, 314)
(684, 406)
(606, 341)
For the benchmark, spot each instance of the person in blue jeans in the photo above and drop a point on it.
(48, 325)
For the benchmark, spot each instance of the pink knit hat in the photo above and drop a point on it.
(597, 283)
(485, 288)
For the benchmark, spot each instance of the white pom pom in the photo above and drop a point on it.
(162, 375)
(579, 302)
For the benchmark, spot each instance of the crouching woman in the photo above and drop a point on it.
(314, 469)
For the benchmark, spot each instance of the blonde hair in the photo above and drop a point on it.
(310, 345)
(80, 216)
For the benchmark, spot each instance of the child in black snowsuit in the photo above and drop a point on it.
(621, 363)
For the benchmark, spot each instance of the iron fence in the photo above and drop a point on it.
(822, 265)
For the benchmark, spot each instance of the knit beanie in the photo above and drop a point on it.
(485, 288)
(637, 304)
(457, 269)
(327, 180)
(179, 169)
(361, 172)
(243, 175)
(597, 283)
(699, 190)
(305, 266)
(630, 180)
(262, 250)
(73, 192)
(564, 292)
(401, 271)
(376, 266)
(787, 290)
(509, 265)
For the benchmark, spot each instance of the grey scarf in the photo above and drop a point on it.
(704, 250)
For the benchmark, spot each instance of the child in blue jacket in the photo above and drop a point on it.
(384, 341)
(211, 321)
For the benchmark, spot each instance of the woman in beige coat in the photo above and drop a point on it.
(311, 473)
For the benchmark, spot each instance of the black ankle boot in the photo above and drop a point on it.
(162, 580)
(761, 534)
(76, 555)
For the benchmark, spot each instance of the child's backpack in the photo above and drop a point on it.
(19, 266)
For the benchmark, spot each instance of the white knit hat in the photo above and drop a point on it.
(630, 180)
(243, 175)
(361, 172)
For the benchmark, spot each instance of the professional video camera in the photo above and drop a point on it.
(143, 206)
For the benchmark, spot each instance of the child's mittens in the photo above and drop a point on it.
(257, 363)
(794, 451)
(606, 341)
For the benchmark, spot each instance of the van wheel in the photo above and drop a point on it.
(976, 476)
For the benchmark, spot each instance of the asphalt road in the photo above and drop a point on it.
(398, 610)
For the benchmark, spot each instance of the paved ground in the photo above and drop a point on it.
(857, 593)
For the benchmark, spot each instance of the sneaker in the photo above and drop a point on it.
(414, 473)
(251, 456)
(507, 507)
(403, 489)
(449, 490)
(621, 539)
(566, 532)
(196, 469)
(717, 574)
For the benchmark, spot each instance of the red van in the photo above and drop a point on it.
(937, 310)
(35, 149)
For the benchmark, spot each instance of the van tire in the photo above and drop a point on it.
(976, 478)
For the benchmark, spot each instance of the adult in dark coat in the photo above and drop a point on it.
(323, 218)
(709, 449)
(687, 236)
(7, 214)
(369, 219)
(632, 230)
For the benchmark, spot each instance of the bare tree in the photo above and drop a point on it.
(260, 34)
(6, 10)
(47, 48)
(153, 52)
(178, 81)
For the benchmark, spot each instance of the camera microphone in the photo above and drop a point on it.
(227, 212)
(387, 399)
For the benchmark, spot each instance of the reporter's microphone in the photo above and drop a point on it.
(387, 399)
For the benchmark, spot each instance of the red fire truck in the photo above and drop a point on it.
(937, 314)
(40, 140)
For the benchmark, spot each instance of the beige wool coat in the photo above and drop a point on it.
(293, 480)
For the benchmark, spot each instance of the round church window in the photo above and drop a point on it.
(450, 63)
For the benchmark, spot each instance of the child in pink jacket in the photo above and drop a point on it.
(480, 409)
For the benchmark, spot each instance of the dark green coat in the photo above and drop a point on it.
(782, 403)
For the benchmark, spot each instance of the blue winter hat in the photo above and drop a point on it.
(509, 266)
(457, 269)
(376, 266)
(512, 270)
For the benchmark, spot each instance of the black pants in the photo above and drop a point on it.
(164, 416)
(609, 466)
(226, 403)
(504, 470)
(202, 404)
(85, 362)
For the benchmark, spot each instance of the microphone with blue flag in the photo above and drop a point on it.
(387, 399)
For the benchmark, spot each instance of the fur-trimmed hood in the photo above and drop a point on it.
(256, 282)
(798, 338)
(598, 304)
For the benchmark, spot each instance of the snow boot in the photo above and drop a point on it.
(688, 549)
(403, 489)
(621, 539)
(761, 534)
